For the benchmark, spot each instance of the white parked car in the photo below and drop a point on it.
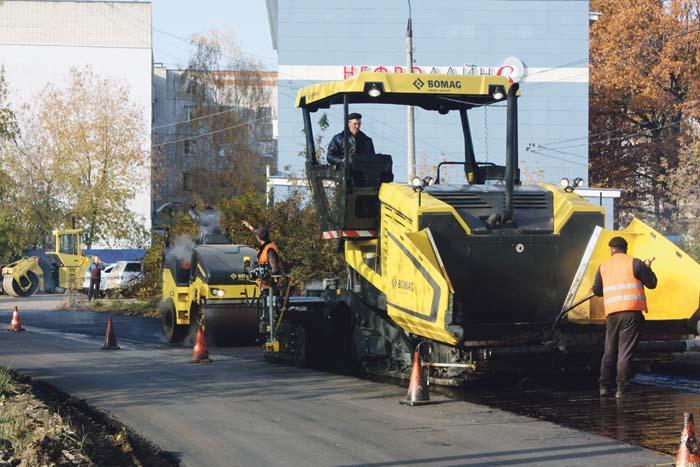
(103, 280)
(123, 277)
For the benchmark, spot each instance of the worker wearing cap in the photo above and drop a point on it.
(620, 281)
(268, 253)
(359, 143)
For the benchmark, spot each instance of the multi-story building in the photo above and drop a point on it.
(41, 40)
(204, 141)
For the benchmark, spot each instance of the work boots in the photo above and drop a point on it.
(623, 390)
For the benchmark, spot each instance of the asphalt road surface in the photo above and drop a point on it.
(239, 410)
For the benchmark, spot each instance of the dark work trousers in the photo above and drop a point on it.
(94, 290)
(621, 338)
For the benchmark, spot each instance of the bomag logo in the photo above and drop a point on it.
(418, 83)
(444, 84)
(402, 284)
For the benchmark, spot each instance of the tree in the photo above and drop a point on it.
(293, 226)
(229, 115)
(82, 157)
(686, 193)
(12, 241)
(645, 59)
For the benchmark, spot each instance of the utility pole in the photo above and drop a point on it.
(410, 124)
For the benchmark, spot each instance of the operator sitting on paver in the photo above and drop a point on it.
(359, 143)
(621, 281)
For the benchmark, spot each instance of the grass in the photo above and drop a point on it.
(5, 381)
(15, 423)
(129, 307)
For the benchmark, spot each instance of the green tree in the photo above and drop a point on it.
(293, 226)
(12, 241)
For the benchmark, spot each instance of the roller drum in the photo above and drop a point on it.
(231, 324)
(15, 289)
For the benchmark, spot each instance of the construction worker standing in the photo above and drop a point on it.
(620, 281)
(268, 254)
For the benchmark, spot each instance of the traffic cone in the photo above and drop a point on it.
(200, 354)
(15, 324)
(688, 452)
(418, 387)
(110, 337)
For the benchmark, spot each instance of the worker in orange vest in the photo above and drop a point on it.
(620, 281)
(268, 254)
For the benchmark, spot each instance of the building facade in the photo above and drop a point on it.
(41, 41)
(542, 43)
(206, 141)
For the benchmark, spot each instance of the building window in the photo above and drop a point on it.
(188, 112)
(187, 147)
(264, 126)
(186, 183)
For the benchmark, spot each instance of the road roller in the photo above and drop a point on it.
(477, 272)
(207, 284)
(64, 268)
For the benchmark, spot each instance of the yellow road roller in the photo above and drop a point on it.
(65, 268)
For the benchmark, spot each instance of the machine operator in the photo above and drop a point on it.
(359, 142)
(620, 281)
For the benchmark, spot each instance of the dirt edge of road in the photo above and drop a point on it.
(51, 427)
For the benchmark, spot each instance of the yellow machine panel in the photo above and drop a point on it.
(677, 294)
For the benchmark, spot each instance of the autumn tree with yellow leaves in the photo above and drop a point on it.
(81, 158)
(645, 69)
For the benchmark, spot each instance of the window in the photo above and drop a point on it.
(69, 244)
(187, 147)
(133, 267)
(188, 112)
(186, 182)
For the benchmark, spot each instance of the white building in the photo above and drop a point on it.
(40, 41)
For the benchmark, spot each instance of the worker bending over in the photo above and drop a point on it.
(620, 281)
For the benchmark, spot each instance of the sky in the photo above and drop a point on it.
(175, 21)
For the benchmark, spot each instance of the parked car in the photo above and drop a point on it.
(103, 281)
(123, 278)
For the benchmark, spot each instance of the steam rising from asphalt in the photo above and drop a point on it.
(181, 249)
(208, 221)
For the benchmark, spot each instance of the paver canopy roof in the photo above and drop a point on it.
(429, 91)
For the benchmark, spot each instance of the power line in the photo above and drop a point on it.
(189, 138)
(549, 156)
(640, 133)
(194, 119)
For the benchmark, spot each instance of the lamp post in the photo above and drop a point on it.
(410, 123)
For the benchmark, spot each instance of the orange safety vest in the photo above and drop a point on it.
(621, 290)
(263, 258)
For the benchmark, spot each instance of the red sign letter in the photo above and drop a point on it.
(348, 73)
(416, 69)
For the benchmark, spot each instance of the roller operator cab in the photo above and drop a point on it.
(479, 269)
(62, 268)
(208, 285)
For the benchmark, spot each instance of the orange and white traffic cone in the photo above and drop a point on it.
(418, 393)
(110, 337)
(200, 354)
(688, 451)
(15, 324)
